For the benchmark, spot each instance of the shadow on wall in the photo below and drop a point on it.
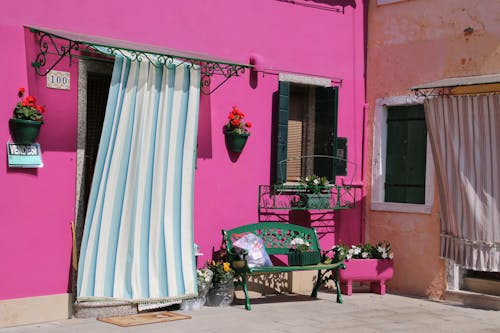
(342, 3)
(205, 128)
(344, 225)
(323, 4)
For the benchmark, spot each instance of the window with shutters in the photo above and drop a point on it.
(307, 133)
(403, 169)
(406, 154)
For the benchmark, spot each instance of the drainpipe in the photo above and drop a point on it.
(362, 230)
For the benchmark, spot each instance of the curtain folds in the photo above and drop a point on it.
(138, 236)
(465, 136)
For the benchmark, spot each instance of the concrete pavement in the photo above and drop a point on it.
(361, 312)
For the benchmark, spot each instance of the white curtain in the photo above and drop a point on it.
(465, 138)
(138, 236)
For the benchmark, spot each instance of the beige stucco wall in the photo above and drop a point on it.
(409, 43)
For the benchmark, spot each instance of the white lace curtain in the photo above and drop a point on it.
(465, 138)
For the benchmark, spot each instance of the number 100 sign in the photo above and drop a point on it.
(58, 80)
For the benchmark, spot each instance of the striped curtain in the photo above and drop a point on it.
(465, 138)
(138, 236)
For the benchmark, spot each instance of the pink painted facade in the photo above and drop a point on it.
(38, 205)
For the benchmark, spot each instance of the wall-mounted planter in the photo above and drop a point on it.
(315, 200)
(236, 141)
(24, 131)
(376, 271)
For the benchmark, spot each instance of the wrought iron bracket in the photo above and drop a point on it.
(60, 47)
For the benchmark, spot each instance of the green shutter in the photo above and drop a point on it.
(341, 153)
(406, 155)
(325, 136)
(282, 139)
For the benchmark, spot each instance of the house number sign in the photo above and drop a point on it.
(58, 80)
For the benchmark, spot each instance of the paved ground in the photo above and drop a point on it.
(361, 312)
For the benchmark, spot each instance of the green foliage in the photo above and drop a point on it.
(222, 271)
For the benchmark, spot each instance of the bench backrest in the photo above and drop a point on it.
(276, 236)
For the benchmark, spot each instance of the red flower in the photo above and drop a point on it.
(31, 100)
(235, 123)
(21, 91)
(40, 108)
(248, 124)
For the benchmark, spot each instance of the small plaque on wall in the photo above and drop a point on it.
(58, 80)
(24, 155)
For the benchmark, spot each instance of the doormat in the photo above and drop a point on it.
(144, 318)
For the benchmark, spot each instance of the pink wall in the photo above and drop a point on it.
(37, 206)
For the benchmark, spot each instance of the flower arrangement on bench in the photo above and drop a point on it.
(302, 254)
(365, 262)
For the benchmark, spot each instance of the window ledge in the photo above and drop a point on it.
(401, 207)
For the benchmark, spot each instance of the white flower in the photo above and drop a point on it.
(381, 249)
(357, 250)
(391, 255)
(348, 257)
(316, 181)
(297, 241)
(384, 255)
(364, 254)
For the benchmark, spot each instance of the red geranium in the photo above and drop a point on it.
(27, 108)
(236, 123)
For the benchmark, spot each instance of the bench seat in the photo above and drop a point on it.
(277, 239)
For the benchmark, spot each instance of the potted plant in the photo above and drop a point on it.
(204, 281)
(236, 130)
(221, 292)
(365, 262)
(316, 193)
(27, 119)
(301, 253)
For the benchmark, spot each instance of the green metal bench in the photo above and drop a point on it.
(277, 239)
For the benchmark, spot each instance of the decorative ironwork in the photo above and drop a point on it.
(431, 92)
(298, 197)
(61, 47)
(47, 43)
(210, 69)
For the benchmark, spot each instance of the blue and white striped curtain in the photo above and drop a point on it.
(138, 236)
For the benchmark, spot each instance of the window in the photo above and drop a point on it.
(406, 154)
(307, 132)
(403, 170)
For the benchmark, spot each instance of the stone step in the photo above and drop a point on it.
(94, 309)
(473, 299)
(483, 286)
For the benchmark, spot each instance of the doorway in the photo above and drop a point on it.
(93, 87)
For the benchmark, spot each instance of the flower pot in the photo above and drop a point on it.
(238, 264)
(297, 258)
(221, 294)
(236, 141)
(376, 271)
(24, 131)
(315, 200)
